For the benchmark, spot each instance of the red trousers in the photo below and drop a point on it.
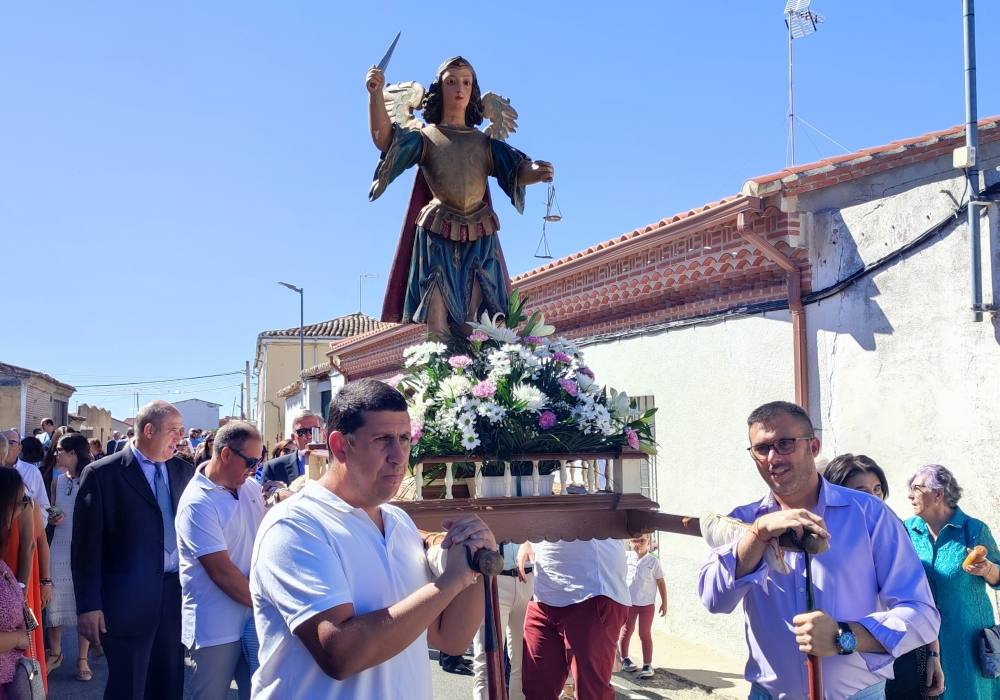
(644, 614)
(578, 639)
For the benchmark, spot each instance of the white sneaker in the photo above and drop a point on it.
(628, 666)
(646, 672)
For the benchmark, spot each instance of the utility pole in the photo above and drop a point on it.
(967, 160)
(245, 388)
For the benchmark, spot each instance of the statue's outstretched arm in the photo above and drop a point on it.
(378, 118)
(533, 171)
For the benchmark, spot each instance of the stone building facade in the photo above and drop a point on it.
(27, 397)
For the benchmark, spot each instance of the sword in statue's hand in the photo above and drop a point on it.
(384, 63)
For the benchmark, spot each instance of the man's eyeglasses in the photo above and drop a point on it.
(251, 462)
(784, 446)
(304, 432)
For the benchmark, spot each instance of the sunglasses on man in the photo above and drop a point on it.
(251, 462)
(304, 432)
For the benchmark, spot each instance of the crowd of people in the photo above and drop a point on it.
(164, 544)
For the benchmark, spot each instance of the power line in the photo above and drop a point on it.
(157, 381)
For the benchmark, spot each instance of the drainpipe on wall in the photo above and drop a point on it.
(793, 283)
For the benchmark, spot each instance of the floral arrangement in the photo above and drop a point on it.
(511, 388)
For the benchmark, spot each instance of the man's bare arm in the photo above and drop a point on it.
(459, 622)
(224, 574)
(344, 644)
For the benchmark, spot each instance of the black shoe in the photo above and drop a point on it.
(458, 665)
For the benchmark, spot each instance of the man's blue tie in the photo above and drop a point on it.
(166, 510)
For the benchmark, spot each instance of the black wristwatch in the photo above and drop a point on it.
(845, 639)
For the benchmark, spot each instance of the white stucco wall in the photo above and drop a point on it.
(899, 370)
(199, 414)
(705, 380)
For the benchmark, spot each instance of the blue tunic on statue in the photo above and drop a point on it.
(961, 598)
(452, 267)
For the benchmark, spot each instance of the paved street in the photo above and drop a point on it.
(64, 686)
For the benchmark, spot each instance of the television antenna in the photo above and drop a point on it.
(800, 22)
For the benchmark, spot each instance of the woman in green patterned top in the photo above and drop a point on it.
(943, 535)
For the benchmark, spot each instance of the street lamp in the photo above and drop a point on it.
(361, 281)
(302, 342)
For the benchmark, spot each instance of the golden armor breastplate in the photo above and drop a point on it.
(456, 162)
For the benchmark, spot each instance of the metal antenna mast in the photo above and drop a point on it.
(800, 22)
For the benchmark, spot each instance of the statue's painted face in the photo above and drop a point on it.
(456, 86)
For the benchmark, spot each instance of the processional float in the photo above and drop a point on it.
(486, 365)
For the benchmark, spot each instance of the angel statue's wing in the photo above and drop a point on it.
(503, 117)
(400, 101)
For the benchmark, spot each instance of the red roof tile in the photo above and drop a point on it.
(350, 325)
(798, 174)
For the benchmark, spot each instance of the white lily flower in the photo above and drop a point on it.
(494, 329)
(619, 405)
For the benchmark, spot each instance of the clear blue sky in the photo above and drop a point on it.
(163, 165)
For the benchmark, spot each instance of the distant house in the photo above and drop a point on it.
(277, 363)
(27, 396)
(198, 413)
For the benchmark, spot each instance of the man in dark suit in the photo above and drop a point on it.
(125, 561)
(288, 468)
(112, 443)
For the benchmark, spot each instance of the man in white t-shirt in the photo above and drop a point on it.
(343, 598)
(572, 624)
(217, 519)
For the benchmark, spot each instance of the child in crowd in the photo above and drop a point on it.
(644, 578)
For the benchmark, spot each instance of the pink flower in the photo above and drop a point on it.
(632, 437)
(562, 357)
(586, 370)
(532, 340)
(460, 361)
(546, 420)
(569, 387)
(478, 337)
(416, 432)
(484, 389)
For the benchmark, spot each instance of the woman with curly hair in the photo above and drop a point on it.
(943, 536)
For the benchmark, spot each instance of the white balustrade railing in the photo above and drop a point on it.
(589, 473)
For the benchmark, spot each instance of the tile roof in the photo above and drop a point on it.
(290, 390)
(844, 166)
(22, 373)
(625, 237)
(861, 162)
(341, 327)
(319, 371)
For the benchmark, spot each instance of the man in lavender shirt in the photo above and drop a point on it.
(870, 595)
